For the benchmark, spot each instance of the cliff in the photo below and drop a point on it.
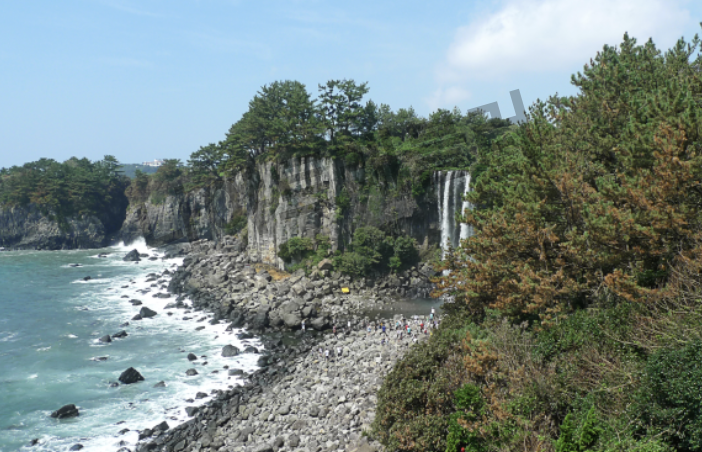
(302, 197)
(28, 228)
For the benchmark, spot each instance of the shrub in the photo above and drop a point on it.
(295, 249)
(236, 224)
(669, 400)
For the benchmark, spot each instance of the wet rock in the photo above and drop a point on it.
(106, 339)
(137, 317)
(191, 372)
(229, 350)
(192, 357)
(146, 313)
(120, 335)
(160, 384)
(130, 376)
(132, 256)
(76, 447)
(191, 410)
(65, 412)
(135, 302)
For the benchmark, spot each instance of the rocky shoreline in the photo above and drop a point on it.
(218, 277)
(298, 400)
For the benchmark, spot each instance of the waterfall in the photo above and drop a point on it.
(466, 231)
(451, 186)
(446, 220)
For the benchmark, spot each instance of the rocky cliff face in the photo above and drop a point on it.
(27, 228)
(302, 197)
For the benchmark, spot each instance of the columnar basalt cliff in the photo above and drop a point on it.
(28, 228)
(299, 197)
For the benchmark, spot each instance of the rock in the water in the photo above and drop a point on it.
(120, 335)
(135, 302)
(87, 278)
(200, 395)
(191, 372)
(74, 265)
(192, 357)
(234, 372)
(146, 313)
(229, 350)
(76, 447)
(250, 349)
(105, 338)
(191, 410)
(65, 411)
(132, 256)
(160, 384)
(137, 317)
(130, 376)
(33, 442)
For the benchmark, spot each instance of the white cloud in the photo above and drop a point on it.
(546, 35)
(448, 97)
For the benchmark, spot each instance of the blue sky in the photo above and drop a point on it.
(157, 79)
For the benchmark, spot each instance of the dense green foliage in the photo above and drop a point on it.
(75, 187)
(576, 313)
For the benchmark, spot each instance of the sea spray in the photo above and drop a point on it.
(52, 319)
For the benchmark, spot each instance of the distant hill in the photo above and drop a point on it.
(130, 169)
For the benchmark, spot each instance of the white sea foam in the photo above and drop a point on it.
(140, 405)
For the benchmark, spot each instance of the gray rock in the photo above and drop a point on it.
(146, 313)
(130, 376)
(292, 319)
(76, 447)
(132, 256)
(106, 338)
(191, 372)
(120, 335)
(192, 357)
(293, 441)
(160, 384)
(65, 412)
(191, 410)
(229, 350)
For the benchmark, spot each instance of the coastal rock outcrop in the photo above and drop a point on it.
(130, 376)
(65, 412)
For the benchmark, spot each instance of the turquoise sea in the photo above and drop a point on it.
(50, 322)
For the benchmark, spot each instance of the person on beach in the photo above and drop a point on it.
(326, 354)
(338, 352)
(382, 341)
(383, 327)
(334, 328)
(303, 326)
(369, 329)
(349, 325)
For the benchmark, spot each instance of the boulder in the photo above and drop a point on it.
(191, 372)
(76, 447)
(120, 335)
(130, 376)
(135, 302)
(192, 357)
(292, 319)
(137, 317)
(326, 264)
(65, 412)
(146, 313)
(106, 338)
(250, 349)
(163, 426)
(132, 256)
(229, 350)
(191, 410)
(320, 323)
(160, 384)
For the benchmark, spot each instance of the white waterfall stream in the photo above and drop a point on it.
(451, 187)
